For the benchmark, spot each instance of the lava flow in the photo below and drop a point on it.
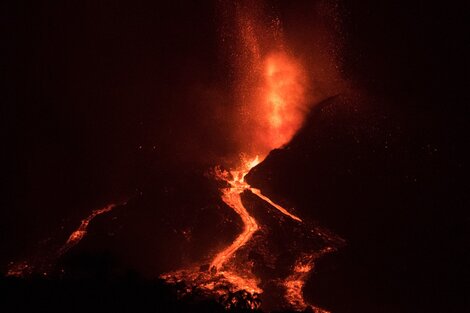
(24, 268)
(78, 235)
(232, 197)
(226, 273)
(223, 273)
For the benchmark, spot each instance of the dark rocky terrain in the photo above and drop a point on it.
(391, 186)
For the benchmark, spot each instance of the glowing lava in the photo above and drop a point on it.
(222, 271)
(78, 234)
(296, 281)
(232, 197)
(24, 268)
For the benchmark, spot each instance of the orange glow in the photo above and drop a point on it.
(296, 281)
(284, 98)
(274, 102)
(271, 85)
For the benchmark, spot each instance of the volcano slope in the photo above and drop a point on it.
(385, 181)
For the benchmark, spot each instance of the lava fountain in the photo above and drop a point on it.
(272, 101)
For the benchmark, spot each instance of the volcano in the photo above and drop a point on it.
(234, 156)
(276, 256)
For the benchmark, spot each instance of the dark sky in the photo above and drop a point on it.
(97, 94)
(87, 85)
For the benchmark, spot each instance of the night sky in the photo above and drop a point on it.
(105, 99)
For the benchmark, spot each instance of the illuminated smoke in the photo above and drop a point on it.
(270, 87)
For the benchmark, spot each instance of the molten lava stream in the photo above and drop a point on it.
(232, 197)
(76, 236)
(24, 268)
(277, 206)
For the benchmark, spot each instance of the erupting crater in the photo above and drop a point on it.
(271, 92)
